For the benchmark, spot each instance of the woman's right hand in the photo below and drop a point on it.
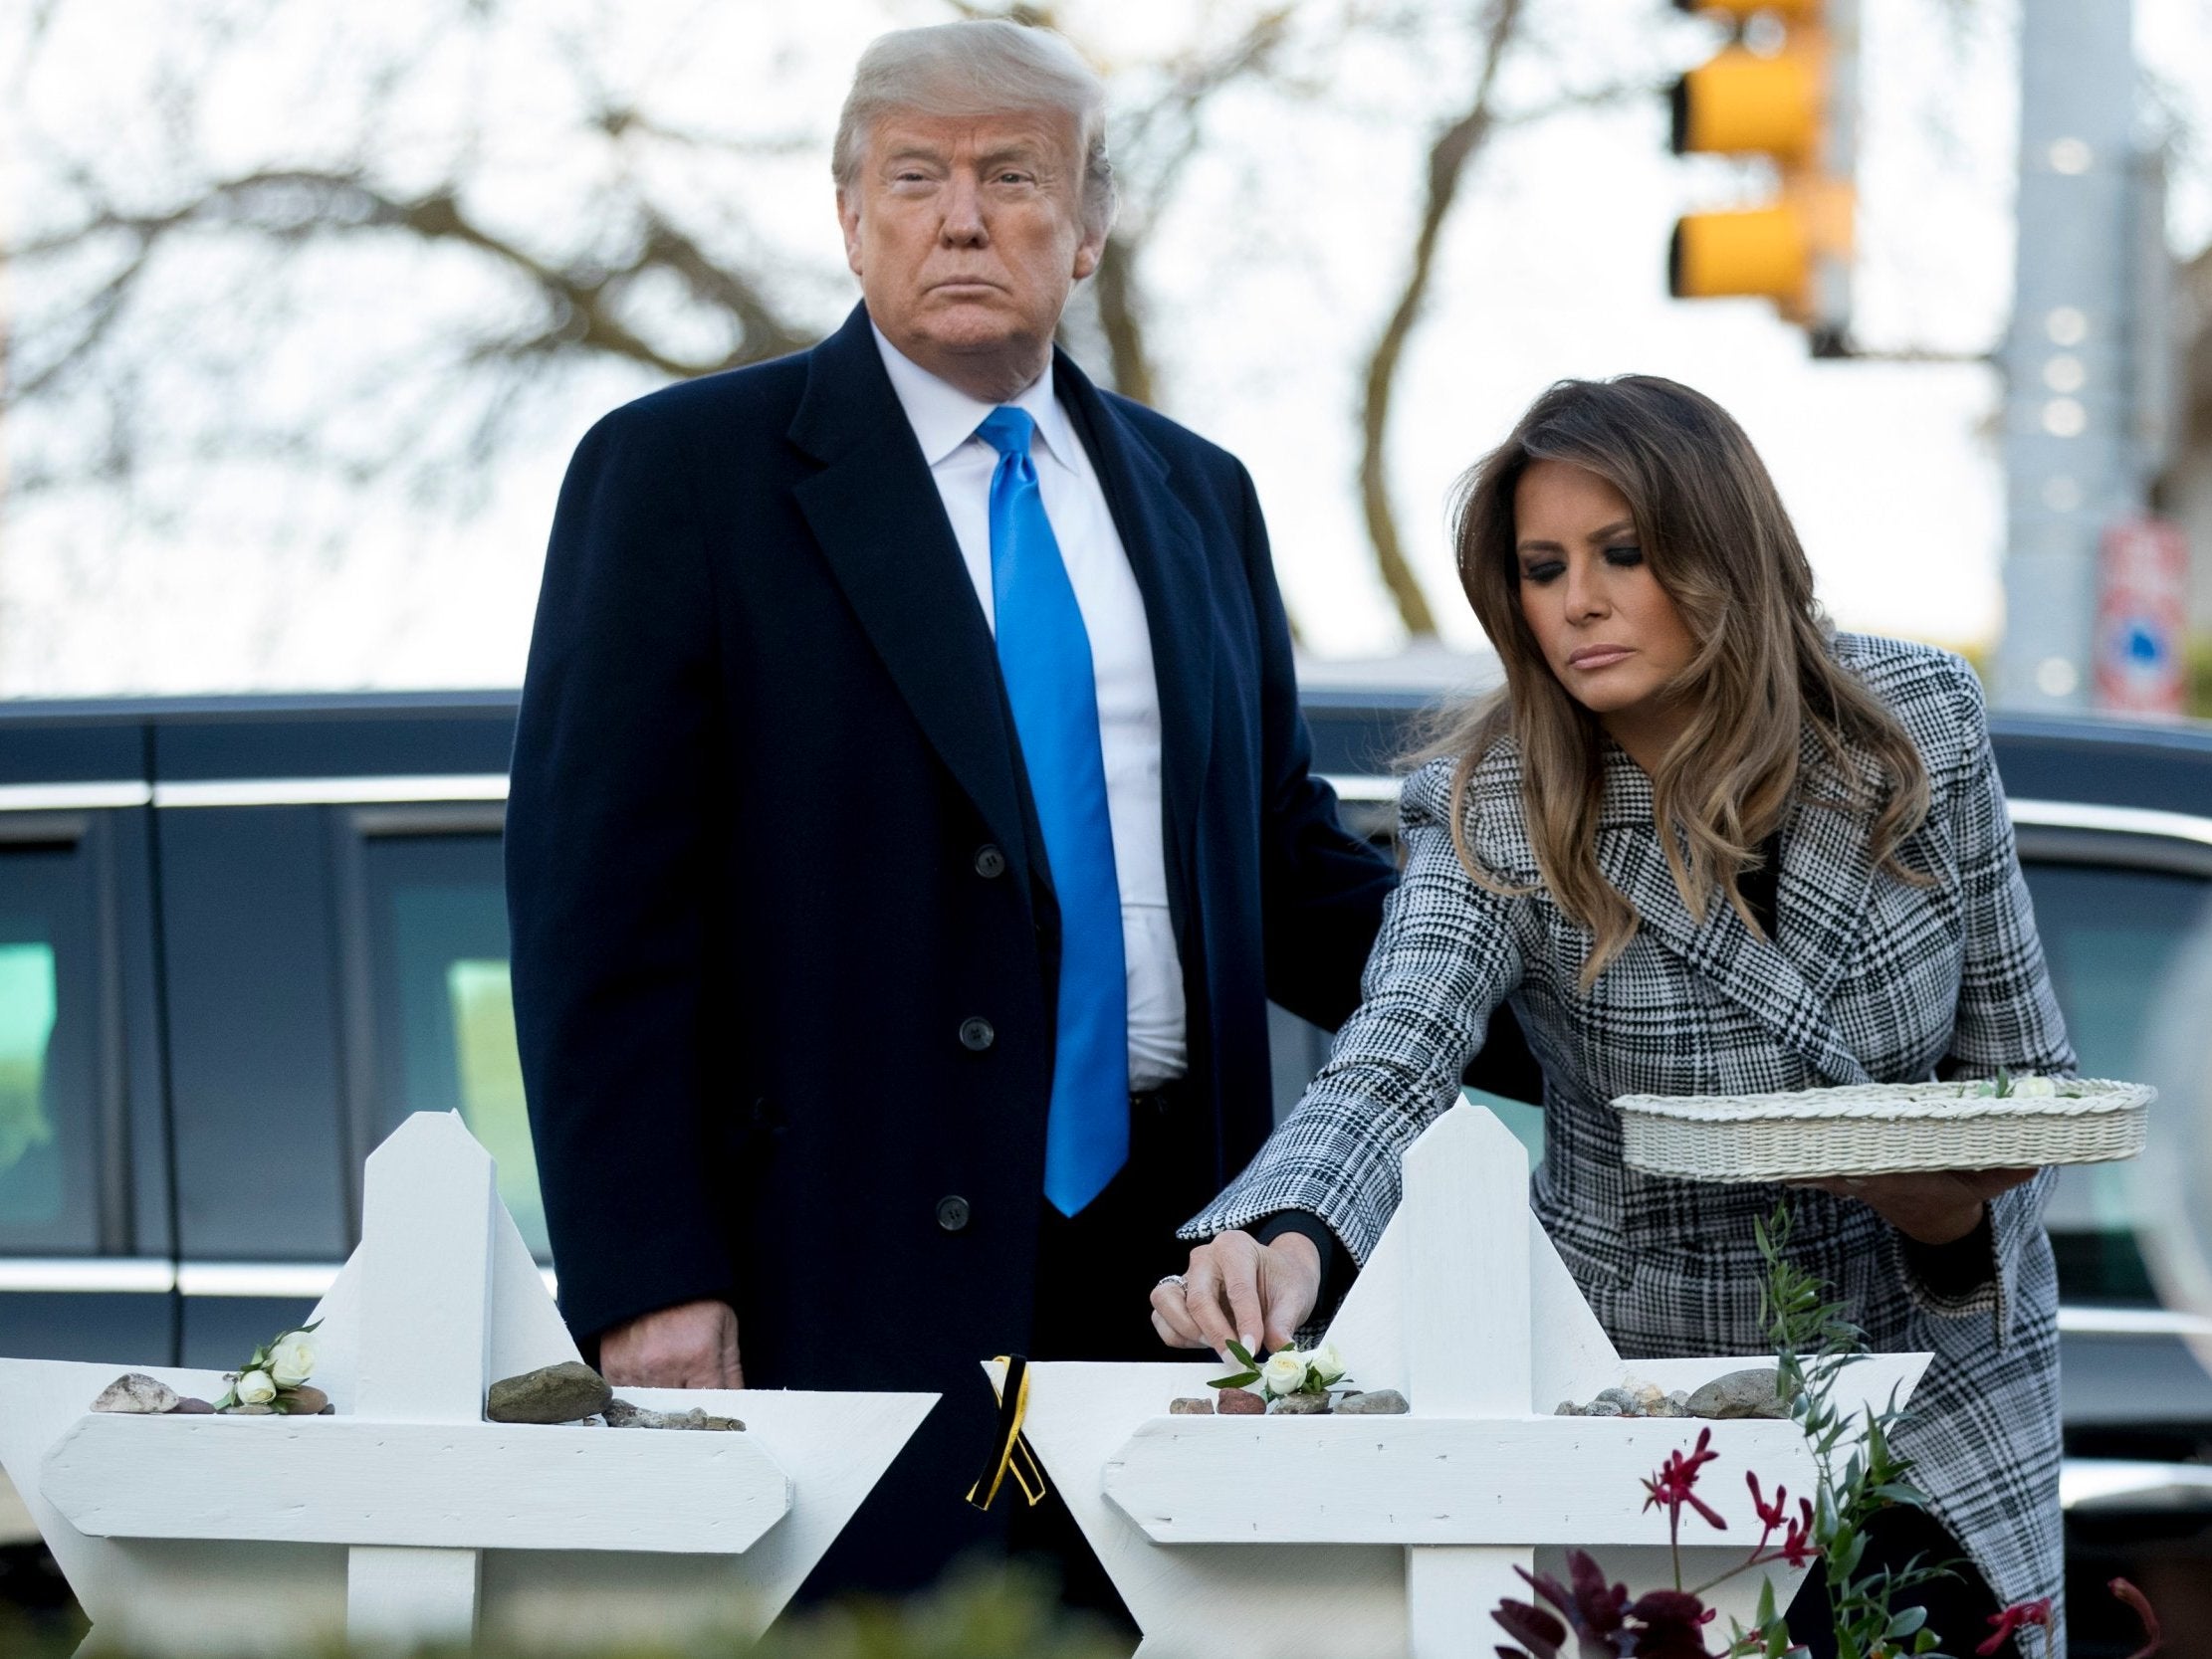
(1237, 1289)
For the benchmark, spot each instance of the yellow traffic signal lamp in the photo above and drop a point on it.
(1792, 105)
(1740, 103)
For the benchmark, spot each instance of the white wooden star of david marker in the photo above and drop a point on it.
(405, 1517)
(1383, 1538)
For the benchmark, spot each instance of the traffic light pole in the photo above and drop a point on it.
(2074, 357)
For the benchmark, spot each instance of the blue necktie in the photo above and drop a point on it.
(1045, 656)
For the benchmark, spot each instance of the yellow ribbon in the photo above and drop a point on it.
(1010, 1451)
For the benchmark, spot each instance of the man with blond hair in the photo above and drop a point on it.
(911, 818)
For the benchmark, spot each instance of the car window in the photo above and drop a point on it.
(444, 1005)
(2112, 936)
(50, 1129)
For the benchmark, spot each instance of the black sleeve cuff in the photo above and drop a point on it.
(1955, 1270)
(1337, 1268)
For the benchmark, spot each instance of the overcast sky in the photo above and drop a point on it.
(1554, 265)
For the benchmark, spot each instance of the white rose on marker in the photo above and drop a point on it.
(292, 1360)
(1327, 1364)
(1284, 1372)
(255, 1388)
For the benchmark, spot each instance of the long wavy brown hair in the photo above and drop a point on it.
(1718, 540)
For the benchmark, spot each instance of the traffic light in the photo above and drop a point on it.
(1790, 98)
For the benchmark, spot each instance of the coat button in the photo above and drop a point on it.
(989, 860)
(976, 1035)
(952, 1213)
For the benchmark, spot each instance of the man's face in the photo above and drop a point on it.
(966, 234)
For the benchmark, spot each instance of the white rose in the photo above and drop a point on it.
(292, 1360)
(255, 1388)
(1284, 1372)
(1327, 1364)
(2033, 1087)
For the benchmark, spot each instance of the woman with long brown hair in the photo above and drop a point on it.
(1701, 844)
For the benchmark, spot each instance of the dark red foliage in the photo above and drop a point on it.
(1674, 1625)
(1664, 1624)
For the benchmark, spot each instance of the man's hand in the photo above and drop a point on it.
(1237, 1289)
(1936, 1206)
(693, 1345)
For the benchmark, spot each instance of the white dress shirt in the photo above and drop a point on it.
(945, 419)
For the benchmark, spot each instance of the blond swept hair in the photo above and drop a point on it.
(1718, 540)
(980, 67)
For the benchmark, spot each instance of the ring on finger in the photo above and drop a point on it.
(1175, 1279)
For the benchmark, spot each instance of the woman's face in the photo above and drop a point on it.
(1606, 626)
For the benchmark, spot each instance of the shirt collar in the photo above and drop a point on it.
(944, 417)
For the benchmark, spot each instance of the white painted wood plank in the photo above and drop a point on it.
(1427, 1480)
(1468, 1339)
(401, 1598)
(1203, 1599)
(424, 1335)
(1471, 1342)
(1450, 1595)
(335, 1479)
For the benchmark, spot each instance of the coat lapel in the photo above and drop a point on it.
(876, 513)
(1781, 985)
(1167, 554)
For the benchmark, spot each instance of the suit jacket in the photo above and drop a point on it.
(784, 944)
(1869, 979)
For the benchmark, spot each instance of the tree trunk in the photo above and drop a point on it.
(1447, 160)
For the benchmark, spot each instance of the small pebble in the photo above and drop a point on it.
(190, 1407)
(1601, 1408)
(1379, 1402)
(1566, 1409)
(1240, 1402)
(136, 1393)
(250, 1411)
(304, 1401)
(1301, 1405)
(1189, 1406)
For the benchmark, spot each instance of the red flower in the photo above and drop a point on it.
(1797, 1542)
(1675, 1483)
(2153, 1637)
(2016, 1617)
(1771, 1515)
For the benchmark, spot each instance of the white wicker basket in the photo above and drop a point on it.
(1880, 1129)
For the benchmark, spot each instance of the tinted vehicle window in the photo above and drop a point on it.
(50, 1129)
(2112, 936)
(444, 1009)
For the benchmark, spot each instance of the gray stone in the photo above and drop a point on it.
(623, 1414)
(1602, 1409)
(1670, 1405)
(1240, 1402)
(249, 1411)
(1190, 1407)
(1566, 1409)
(190, 1407)
(137, 1393)
(1301, 1405)
(551, 1394)
(1746, 1393)
(1622, 1403)
(1377, 1403)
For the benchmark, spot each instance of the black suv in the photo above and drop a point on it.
(240, 939)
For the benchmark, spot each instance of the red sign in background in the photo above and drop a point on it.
(2143, 618)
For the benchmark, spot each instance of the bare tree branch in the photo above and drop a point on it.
(1448, 157)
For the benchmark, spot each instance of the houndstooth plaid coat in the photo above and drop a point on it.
(1869, 979)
